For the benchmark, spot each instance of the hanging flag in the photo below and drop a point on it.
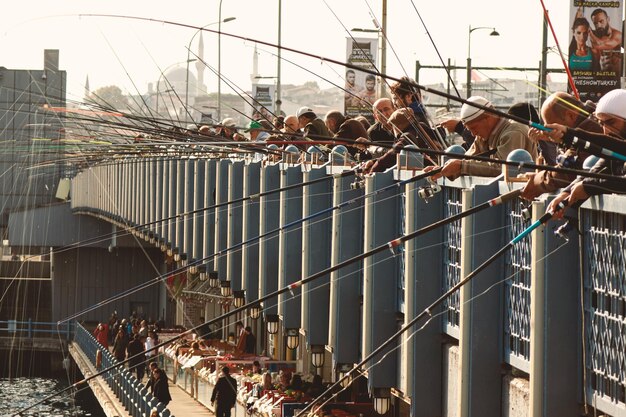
(176, 283)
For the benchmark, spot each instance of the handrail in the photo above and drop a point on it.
(131, 392)
(31, 329)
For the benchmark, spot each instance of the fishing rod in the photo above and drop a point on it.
(488, 109)
(432, 41)
(295, 285)
(519, 165)
(570, 79)
(428, 311)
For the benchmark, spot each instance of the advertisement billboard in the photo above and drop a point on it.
(595, 56)
(361, 89)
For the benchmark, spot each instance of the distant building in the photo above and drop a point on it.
(26, 129)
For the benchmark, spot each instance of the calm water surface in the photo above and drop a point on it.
(18, 393)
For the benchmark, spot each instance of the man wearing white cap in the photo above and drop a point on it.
(313, 127)
(493, 133)
(611, 112)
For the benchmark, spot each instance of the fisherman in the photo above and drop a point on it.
(567, 110)
(493, 133)
(312, 126)
(405, 94)
(611, 112)
(344, 128)
(257, 134)
(381, 131)
(227, 128)
(408, 131)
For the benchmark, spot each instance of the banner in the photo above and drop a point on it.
(263, 104)
(361, 88)
(595, 57)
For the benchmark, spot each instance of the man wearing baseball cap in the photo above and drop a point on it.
(493, 133)
(313, 127)
(611, 112)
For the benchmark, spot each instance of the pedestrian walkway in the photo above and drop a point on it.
(183, 404)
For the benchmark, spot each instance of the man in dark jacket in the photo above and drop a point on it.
(160, 387)
(344, 128)
(225, 392)
(312, 126)
(137, 354)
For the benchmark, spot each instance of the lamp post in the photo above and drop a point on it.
(468, 84)
(228, 19)
(278, 100)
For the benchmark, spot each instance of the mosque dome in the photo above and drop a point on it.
(176, 78)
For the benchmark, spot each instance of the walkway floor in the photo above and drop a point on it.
(183, 405)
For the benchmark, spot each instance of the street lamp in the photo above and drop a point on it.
(228, 19)
(468, 84)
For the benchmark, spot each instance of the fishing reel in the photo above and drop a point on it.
(358, 184)
(526, 212)
(428, 191)
(564, 230)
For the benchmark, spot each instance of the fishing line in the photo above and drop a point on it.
(346, 276)
(556, 41)
(225, 251)
(427, 312)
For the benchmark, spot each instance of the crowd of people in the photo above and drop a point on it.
(402, 120)
(134, 339)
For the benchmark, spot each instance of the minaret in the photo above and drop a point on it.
(200, 67)
(87, 90)
(255, 67)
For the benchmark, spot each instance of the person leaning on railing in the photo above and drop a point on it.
(611, 112)
(493, 133)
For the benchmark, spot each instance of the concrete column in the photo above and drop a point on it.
(188, 230)
(381, 280)
(198, 205)
(345, 283)
(555, 307)
(151, 197)
(250, 230)
(290, 247)
(235, 217)
(221, 216)
(179, 222)
(208, 247)
(480, 383)
(316, 249)
(165, 201)
(171, 210)
(423, 267)
(158, 198)
(268, 247)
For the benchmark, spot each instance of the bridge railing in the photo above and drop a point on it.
(603, 222)
(130, 391)
(31, 329)
(523, 312)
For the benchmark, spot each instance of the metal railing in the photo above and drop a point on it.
(31, 329)
(517, 291)
(604, 273)
(133, 395)
(451, 259)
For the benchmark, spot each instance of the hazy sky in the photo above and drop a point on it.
(122, 51)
